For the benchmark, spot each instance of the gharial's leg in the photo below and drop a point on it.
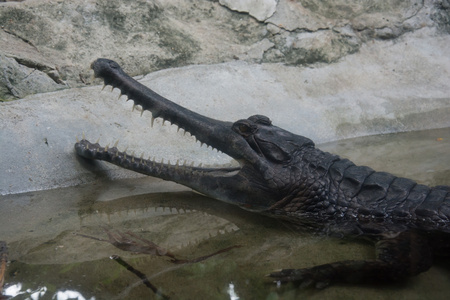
(405, 254)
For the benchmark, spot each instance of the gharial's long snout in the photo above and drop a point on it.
(228, 184)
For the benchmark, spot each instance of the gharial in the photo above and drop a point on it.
(283, 175)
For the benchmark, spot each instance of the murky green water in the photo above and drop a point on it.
(49, 261)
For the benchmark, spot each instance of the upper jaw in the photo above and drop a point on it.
(215, 133)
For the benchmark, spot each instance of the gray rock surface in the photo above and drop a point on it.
(386, 87)
(24, 77)
(59, 39)
(259, 9)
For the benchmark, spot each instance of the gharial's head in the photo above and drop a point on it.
(266, 154)
(271, 152)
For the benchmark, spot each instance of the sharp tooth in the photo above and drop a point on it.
(116, 143)
(104, 85)
(120, 95)
(98, 140)
(201, 145)
(164, 121)
(178, 129)
(77, 139)
(153, 121)
(106, 148)
(134, 105)
(142, 112)
(83, 137)
(200, 165)
(112, 88)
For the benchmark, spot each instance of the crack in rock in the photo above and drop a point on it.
(259, 9)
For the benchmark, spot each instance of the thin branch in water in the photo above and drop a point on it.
(139, 274)
(123, 242)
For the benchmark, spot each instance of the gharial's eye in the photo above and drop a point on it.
(244, 127)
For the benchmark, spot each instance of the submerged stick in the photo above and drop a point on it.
(139, 274)
(123, 242)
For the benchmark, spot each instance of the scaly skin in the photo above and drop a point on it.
(283, 175)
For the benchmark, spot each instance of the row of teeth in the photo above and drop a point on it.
(163, 120)
(153, 161)
(112, 217)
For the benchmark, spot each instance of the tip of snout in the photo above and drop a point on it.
(103, 67)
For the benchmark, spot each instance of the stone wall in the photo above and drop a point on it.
(47, 45)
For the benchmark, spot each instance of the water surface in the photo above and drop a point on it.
(50, 261)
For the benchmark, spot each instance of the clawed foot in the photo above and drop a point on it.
(320, 277)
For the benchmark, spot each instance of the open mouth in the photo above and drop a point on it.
(200, 127)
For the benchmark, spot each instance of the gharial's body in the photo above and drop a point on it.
(283, 175)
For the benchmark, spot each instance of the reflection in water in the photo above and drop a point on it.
(65, 295)
(16, 290)
(231, 292)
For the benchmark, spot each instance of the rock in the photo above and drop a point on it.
(143, 35)
(385, 87)
(256, 52)
(259, 9)
(20, 81)
(292, 15)
(441, 15)
(59, 39)
(311, 47)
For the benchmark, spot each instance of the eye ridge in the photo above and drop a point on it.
(260, 119)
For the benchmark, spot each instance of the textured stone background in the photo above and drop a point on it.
(48, 45)
(324, 69)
